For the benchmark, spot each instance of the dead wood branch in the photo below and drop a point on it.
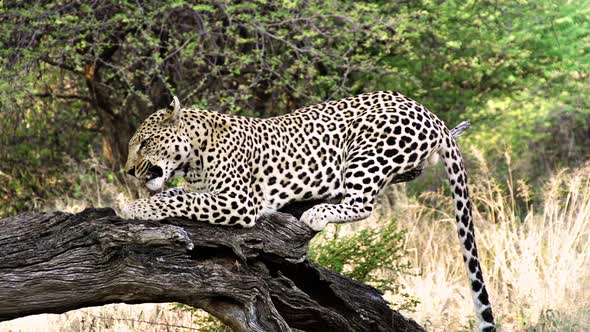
(255, 279)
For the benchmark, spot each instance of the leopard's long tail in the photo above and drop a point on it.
(455, 169)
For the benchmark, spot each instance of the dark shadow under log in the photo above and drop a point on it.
(255, 279)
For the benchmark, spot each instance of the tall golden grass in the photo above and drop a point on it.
(536, 257)
(112, 317)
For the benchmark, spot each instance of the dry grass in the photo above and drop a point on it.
(536, 259)
(96, 186)
(113, 317)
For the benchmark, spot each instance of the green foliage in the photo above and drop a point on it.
(556, 38)
(79, 77)
(370, 256)
(462, 53)
(34, 145)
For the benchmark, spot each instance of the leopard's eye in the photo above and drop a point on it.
(143, 144)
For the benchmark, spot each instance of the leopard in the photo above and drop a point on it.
(240, 168)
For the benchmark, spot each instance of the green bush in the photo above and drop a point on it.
(371, 256)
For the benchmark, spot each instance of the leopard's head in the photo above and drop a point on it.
(159, 147)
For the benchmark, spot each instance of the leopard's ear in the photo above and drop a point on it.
(174, 113)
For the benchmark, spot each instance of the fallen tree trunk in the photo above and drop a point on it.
(255, 279)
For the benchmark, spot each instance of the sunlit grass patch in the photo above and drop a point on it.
(536, 259)
(113, 317)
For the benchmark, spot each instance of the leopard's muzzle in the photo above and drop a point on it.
(146, 170)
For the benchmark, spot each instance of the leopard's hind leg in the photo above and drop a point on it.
(362, 184)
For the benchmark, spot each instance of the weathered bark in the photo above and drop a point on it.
(255, 279)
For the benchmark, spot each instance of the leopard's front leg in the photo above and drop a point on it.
(134, 209)
(220, 209)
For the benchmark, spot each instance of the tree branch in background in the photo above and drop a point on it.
(62, 96)
(61, 65)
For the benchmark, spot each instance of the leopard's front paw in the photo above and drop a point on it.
(313, 219)
(139, 209)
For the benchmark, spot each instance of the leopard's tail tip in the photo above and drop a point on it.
(459, 129)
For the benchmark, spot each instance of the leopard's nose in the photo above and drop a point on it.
(131, 171)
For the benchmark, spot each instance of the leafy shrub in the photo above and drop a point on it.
(371, 256)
